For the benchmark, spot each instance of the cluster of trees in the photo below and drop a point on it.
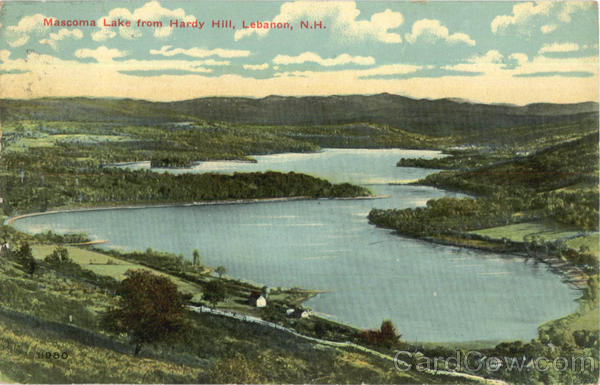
(54, 238)
(446, 215)
(576, 207)
(59, 256)
(564, 165)
(575, 354)
(171, 160)
(527, 188)
(458, 160)
(66, 173)
(386, 336)
(38, 190)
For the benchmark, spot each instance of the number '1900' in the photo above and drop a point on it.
(52, 355)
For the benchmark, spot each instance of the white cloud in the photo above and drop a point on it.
(50, 42)
(100, 54)
(526, 16)
(103, 34)
(199, 52)
(28, 24)
(570, 7)
(50, 76)
(39, 63)
(431, 29)
(104, 73)
(521, 14)
(489, 62)
(212, 62)
(64, 33)
(559, 47)
(104, 56)
(315, 58)
(389, 69)
(4, 55)
(384, 70)
(520, 58)
(381, 23)
(162, 32)
(341, 17)
(547, 28)
(19, 41)
(256, 67)
(19, 34)
(493, 64)
(163, 65)
(543, 64)
(151, 11)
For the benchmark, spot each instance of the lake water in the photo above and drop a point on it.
(431, 292)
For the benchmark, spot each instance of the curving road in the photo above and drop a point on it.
(247, 318)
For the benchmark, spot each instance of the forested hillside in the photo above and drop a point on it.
(441, 117)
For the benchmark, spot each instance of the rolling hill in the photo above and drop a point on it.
(441, 117)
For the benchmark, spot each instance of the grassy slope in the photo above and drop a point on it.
(592, 241)
(267, 355)
(106, 265)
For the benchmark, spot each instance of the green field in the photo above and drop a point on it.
(589, 320)
(523, 231)
(592, 241)
(102, 264)
(43, 140)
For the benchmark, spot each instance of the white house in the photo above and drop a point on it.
(257, 299)
(297, 313)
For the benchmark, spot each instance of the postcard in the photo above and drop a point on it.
(299, 192)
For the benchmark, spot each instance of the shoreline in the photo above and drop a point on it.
(313, 293)
(132, 206)
(562, 269)
(569, 273)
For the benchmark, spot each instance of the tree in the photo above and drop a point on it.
(214, 292)
(196, 256)
(386, 335)
(389, 334)
(24, 252)
(150, 309)
(30, 266)
(60, 255)
(25, 258)
(220, 270)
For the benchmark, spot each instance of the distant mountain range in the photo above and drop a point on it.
(433, 117)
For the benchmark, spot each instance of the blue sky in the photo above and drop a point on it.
(504, 52)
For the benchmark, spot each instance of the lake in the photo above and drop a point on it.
(431, 292)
